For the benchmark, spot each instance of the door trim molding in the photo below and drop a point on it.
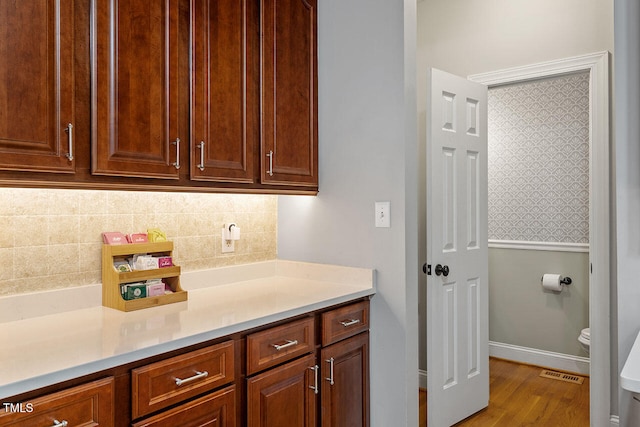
(599, 207)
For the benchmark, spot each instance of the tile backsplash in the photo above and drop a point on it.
(52, 238)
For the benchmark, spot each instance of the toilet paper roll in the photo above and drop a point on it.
(551, 282)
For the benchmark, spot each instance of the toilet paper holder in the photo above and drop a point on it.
(563, 280)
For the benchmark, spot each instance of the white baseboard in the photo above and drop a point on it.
(547, 359)
(615, 421)
(532, 356)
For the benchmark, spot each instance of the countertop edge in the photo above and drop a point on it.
(33, 383)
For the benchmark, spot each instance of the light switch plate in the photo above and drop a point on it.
(383, 214)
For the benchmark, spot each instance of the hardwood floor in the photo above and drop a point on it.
(520, 397)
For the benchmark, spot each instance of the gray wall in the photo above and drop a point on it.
(522, 314)
(627, 129)
(367, 153)
(474, 36)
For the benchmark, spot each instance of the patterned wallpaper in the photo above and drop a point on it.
(539, 160)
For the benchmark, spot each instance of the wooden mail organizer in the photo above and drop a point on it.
(112, 279)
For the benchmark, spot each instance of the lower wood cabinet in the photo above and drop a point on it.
(217, 409)
(310, 371)
(89, 404)
(345, 385)
(284, 396)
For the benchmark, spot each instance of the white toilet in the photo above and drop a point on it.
(585, 339)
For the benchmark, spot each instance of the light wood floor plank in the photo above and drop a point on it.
(519, 397)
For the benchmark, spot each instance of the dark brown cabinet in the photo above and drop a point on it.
(168, 95)
(306, 371)
(345, 386)
(90, 404)
(135, 89)
(283, 396)
(224, 100)
(213, 410)
(289, 92)
(37, 86)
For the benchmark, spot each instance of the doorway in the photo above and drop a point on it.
(597, 66)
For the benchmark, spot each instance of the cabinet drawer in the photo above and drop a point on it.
(215, 409)
(279, 344)
(89, 404)
(344, 322)
(170, 381)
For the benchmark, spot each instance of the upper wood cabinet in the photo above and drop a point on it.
(37, 86)
(135, 88)
(224, 100)
(289, 91)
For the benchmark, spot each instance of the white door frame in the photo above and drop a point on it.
(599, 209)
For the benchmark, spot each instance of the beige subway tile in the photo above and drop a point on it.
(6, 255)
(90, 258)
(9, 287)
(63, 202)
(91, 227)
(92, 202)
(7, 231)
(63, 229)
(7, 196)
(63, 259)
(29, 201)
(30, 261)
(31, 230)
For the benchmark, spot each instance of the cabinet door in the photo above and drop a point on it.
(223, 99)
(135, 88)
(283, 396)
(289, 93)
(213, 410)
(345, 385)
(36, 85)
(85, 405)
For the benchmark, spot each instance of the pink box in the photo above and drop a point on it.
(155, 290)
(137, 238)
(114, 238)
(165, 261)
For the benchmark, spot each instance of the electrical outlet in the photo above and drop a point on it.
(227, 245)
(383, 214)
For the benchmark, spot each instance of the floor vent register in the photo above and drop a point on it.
(555, 375)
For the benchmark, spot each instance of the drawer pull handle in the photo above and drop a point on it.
(350, 322)
(197, 376)
(315, 387)
(283, 346)
(63, 423)
(330, 378)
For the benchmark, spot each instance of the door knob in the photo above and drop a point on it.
(442, 270)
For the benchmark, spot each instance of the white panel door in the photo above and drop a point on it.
(457, 291)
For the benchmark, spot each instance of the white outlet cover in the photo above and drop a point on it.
(383, 214)
(227, 245)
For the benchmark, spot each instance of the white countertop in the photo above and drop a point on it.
(630, 375)
(44, 350)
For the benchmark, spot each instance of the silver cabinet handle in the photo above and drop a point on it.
(70, 132)
(197, 376)
(201, 147)
(63, 423)
(315, 387)
(350, 322)
(330, 378)
(177, 144)
(283, 346)
(270, 156)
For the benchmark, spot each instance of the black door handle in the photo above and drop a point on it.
(442, 270)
